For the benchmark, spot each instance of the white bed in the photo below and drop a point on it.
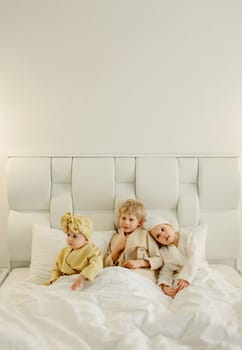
(120, 309)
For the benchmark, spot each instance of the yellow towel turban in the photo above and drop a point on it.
(77, 223)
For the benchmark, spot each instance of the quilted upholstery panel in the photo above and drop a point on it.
(93, 190)
(223, 234)
(29, 183)
(61, 194)
(157, 182)
(93, 183)
(185, 190)
(188, 170)
(219, 183)
(61, 170)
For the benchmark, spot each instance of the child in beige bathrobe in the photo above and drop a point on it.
(132, 247)
(80, 256)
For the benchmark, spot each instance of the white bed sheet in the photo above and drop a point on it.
(20, 274)
(120, 310)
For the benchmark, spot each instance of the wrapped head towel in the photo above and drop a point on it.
(77, 224)
(151, 222)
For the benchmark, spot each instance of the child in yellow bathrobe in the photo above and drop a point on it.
(80, 256)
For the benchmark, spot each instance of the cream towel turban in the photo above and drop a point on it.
(77, 224)
(151, 222)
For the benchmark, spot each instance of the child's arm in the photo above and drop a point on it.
(56, 272)
(153, 253)
(136, 264)
(148, 257)
(191, 265)
(119, 248)
(78, 282)
(165, 276)
(116, 247)
(95, 264)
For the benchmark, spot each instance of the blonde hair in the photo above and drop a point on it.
(77, 224)
(133, 207)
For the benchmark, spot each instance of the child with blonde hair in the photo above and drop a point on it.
(80, 256)
(132, 247)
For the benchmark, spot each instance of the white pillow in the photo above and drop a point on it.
(102, 239)
(200, 231)
(46, 245)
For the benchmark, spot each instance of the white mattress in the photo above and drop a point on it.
(16, 276)
(229, 273)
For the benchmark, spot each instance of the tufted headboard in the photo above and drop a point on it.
(186, 190)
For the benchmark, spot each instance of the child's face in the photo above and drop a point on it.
(128, 222)
(163, 233)
(75, 240)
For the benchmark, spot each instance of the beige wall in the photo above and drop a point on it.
(3, 213)
(128, 76)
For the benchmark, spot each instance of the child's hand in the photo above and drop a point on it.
(53, 281)
(170, 291)
(131, 264)
(79, 282)
(181, 284)
(136, 264)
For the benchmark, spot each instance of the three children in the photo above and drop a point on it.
(152, 248)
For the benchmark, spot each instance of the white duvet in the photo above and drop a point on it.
(121, 310)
